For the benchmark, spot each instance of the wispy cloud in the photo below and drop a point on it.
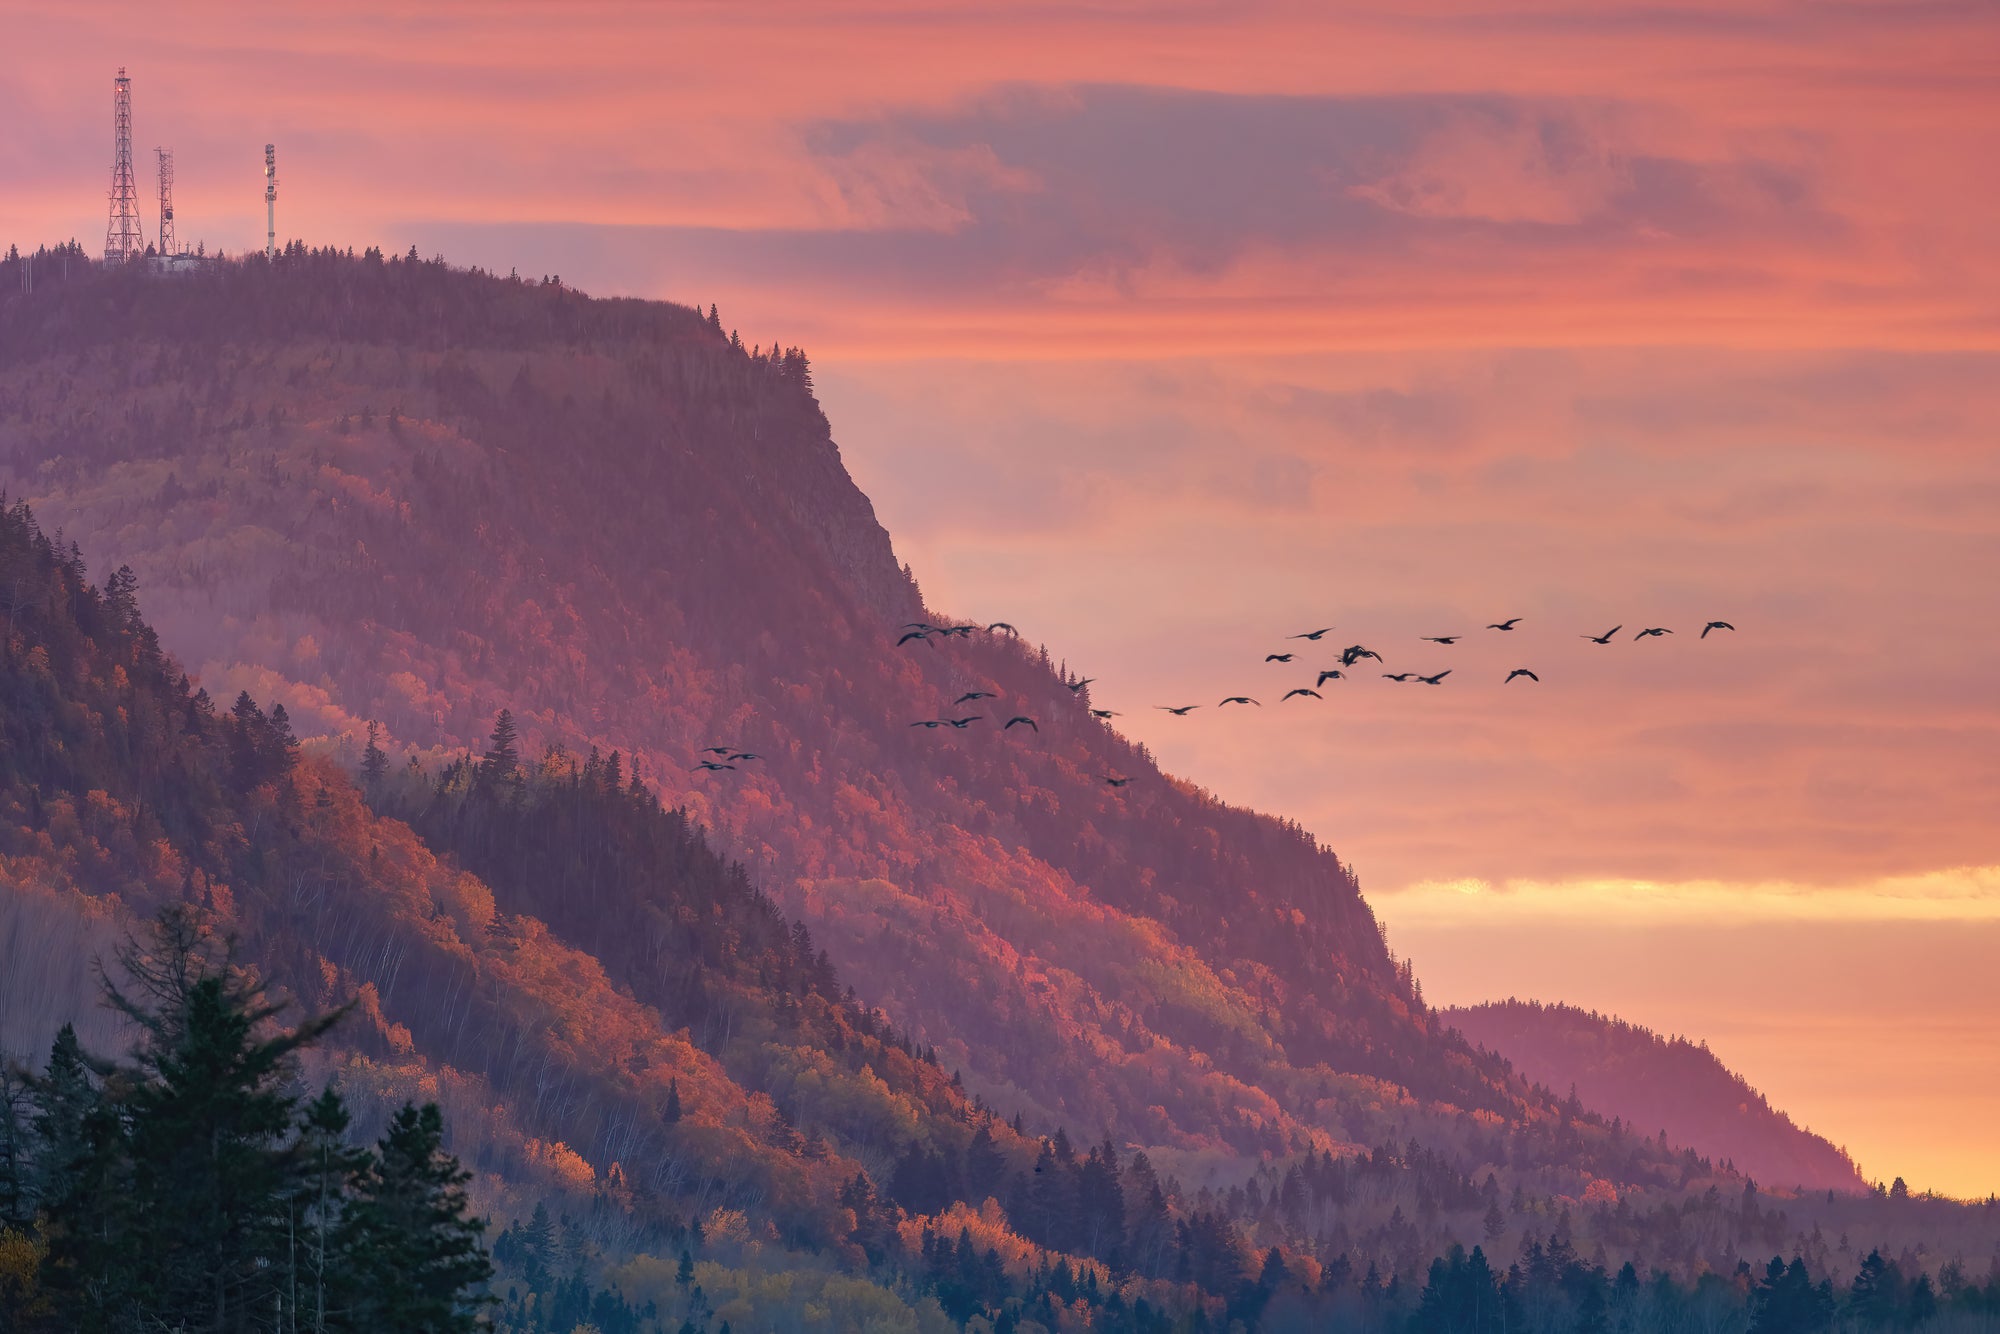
(1963, 894)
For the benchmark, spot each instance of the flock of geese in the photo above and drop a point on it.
(727, 757)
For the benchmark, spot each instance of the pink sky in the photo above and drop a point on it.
(1219, 322)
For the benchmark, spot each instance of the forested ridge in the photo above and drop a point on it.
(722, 1059)
(1676, 1085)
(347, 492)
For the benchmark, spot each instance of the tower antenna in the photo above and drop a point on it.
(167, 242)
(123, 238)
(270, 201)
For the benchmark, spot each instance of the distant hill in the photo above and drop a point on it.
(1655, 1083)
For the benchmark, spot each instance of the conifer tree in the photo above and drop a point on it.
(538, 1241)
(77, 1179)
(247, 742)
(121, 600)
(185, 1189)
(282, 752)
(503, 755)
(984, 1163)
(671, 1112)
(209, 1126)
(322, 1292)
(15, 1198)
(374, 760)
(413, 1243)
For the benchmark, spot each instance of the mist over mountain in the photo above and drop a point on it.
(1628, 1071)
(378, 612)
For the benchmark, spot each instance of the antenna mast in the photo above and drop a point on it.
(123, 238)
(166, 157)
(270, 201)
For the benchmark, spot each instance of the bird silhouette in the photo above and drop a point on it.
(1101, 713)
(1507, 624)
(1330, 674)
(716, 750)
(1312, 634)
(971, 695)
(1278, 657)
(1239, 699)
(1354, 653)
(929, 722)
(711, 766)
(962, 723)
(1398, 676)
(1521, 671)
(1076, 687)
(1715, 625)
(1003, 628)
(914, 634)
(1435, 680)
(1311, 694)
(1021, 718)
(1442, 639)
(1179, 711)
(746, 755)
(1604, 638)
(1654, 633)
(1114, 782)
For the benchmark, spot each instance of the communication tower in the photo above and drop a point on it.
(270, 201)
(167, 242)
(123, 239)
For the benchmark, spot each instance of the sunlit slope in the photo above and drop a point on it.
(122, 790)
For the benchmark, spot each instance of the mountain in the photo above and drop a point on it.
(732, 1100)
(384, 489)
(854, 1035)
(1668, 1084)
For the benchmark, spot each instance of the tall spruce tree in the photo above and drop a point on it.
(374, 760)
(322, 1287)
(79, 1178)
(210, 1132)
(16, 1196)
(412, 1240)
(503, 755)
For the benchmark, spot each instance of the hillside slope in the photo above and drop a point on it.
(1657, 1083)
(395, 491)
(122, 789)
(697, 1081)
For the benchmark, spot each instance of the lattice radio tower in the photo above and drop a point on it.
(123, 239)
(166, 157)
(270, 201)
